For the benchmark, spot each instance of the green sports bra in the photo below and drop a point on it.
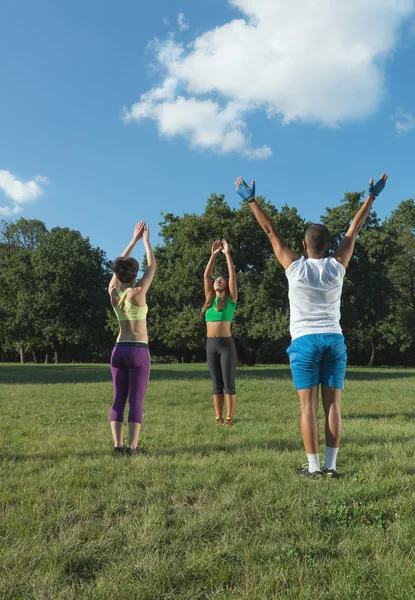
(134, 313)
(213, 314)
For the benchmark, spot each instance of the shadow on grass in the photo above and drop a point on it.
(79, 373)
(201, 449)
(26, 374)
(211, 449)
(380, 440)
(208, 450)
(408, 416)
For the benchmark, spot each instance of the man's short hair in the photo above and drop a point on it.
(317, 237)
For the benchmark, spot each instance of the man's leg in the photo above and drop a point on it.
(332, 378)
(305, 359)
(333, 429)
(309, 426)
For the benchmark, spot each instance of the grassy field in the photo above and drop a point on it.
(213, 512)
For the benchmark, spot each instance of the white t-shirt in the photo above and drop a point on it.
(315, 288)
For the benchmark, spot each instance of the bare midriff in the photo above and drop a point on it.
(133, 331)
(216, 329)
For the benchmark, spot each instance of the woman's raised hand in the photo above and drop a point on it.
(225, 247)
(216, 247)
(146, 233)
(138, 231)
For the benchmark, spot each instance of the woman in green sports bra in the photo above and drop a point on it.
(130, 359)
(221, 297)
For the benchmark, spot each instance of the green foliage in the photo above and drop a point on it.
(176, 296)
(53, 285)
(53, 290)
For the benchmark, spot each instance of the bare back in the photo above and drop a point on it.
(132, 331)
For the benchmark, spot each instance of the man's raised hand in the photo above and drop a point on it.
(244, 191)
(375, 189)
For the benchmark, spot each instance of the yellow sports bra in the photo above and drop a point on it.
(133, 313)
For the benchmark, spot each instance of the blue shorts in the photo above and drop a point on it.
(318, 358)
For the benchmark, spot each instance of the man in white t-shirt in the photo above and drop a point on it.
(317, 351)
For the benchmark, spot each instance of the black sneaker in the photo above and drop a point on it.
(304, 472)
(118, 451)
(138, 451)
(331, 473)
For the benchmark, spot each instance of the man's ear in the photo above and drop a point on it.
(304, 245)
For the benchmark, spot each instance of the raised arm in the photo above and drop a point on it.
(207, 276)
(346, 248)
(283, 253)
(151, 261)
(233, 288)
(138, 233)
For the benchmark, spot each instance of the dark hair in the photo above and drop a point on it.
(317, 238)
(126, 269)
(223, 298)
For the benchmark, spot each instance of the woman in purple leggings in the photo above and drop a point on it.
(130, 359)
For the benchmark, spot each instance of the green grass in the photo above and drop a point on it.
(213, 512)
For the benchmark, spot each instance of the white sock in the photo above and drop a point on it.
(313, 462)
(331, 457)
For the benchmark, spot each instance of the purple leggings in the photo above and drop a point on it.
(130, 369)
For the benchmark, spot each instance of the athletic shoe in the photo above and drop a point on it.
(118, 451)
(229, 421)
(304, 472)
(140, 451)
(331, 473)
(219, 420)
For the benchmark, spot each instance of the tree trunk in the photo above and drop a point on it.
(55, 356)
(34, 357)
(46, 358)
(372, 356)
(22, 357)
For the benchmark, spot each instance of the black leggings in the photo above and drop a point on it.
(221, 358)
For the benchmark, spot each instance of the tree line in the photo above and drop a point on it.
(54, 303)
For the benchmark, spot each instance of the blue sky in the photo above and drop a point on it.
(249, 88)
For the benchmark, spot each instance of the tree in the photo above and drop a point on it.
(18, 330)
(176, 296)
(367, 288)
(71, 297)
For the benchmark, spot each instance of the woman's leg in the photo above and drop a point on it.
(120, 384)
(213, 360)
(228, 361)
(138, 379)
(218, 401)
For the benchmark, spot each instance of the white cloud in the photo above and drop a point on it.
(42, 179)
(20, 192)
(183, 24)
(166, 22)
(404, 122)
(203, 122)
(303, 61)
